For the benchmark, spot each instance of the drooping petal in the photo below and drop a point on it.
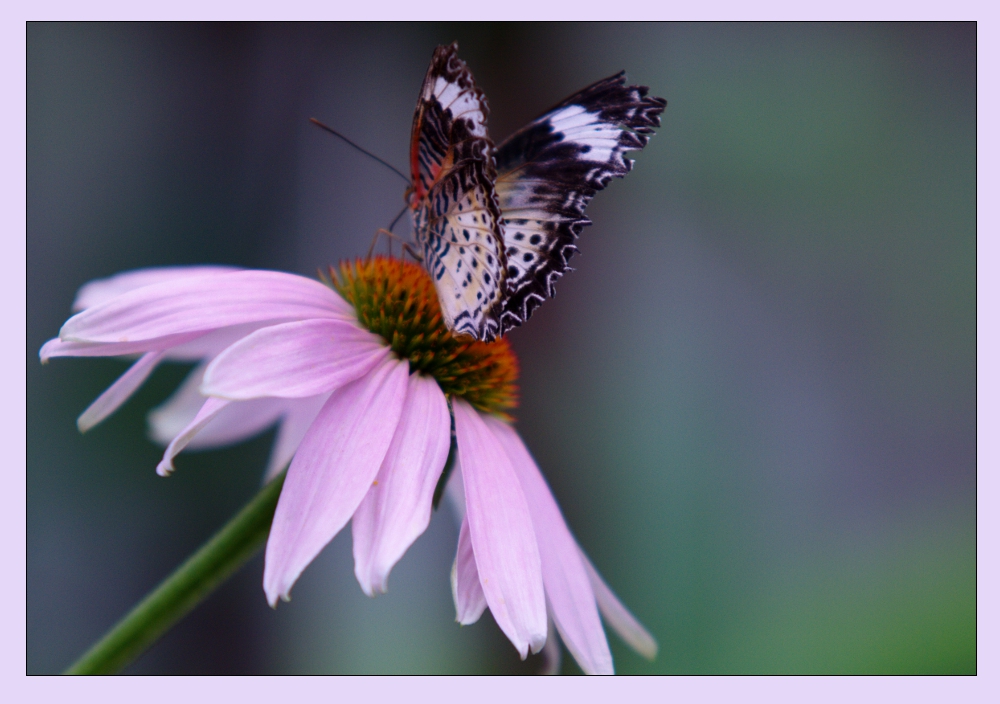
(454, 493)
(173, 415)
(301, 414)
(397, 508)
(62, 348)
(188, 347)
(500, 527)
(618, 617)
(567, 585)
(99, 291)
(239, 421)
(209, 410)
(235, 423)
(204, 303)
(551, 653)
(116, 394)
(209, 344)
(466, 589)
(293, 360)
(332, 471)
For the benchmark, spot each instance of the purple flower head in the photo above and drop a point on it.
(366, 383)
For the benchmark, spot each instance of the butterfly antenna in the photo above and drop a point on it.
(363, 151)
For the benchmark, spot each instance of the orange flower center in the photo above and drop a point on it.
(397, 300)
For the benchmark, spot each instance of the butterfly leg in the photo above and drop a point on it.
(378, 233)
(413, 253)
(393, 236)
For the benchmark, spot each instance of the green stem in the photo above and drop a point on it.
(215, 561)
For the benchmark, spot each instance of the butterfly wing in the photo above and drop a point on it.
(456, 216)
(547, 173)
(461, 241)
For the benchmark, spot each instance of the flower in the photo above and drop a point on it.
(233, 423)
(367, 384)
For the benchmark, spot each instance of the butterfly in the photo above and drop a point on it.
(496, 226)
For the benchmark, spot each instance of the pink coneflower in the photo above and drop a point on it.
(366, 382)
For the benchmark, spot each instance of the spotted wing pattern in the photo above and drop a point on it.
(456, 216)
(549, 171)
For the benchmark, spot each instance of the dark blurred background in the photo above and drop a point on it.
(754, 399)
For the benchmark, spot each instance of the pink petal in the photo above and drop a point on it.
(208, 411)
(211, 343)
(173, 415)
(293, 360)
(204, 303)
(185, 347)
(454, 492)
(116, 394)
(239, 421)
(470, 602)
(332, 471)
(551, 653)
(397, 508)
(62, 348)
(301, 414)
(618, 617)
(101, 290)
(236, 423)
(503, 538)
(567, 585)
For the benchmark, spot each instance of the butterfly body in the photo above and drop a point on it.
(497, 226)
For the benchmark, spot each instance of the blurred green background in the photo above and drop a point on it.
(754, 399)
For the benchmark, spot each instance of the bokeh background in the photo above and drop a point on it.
(754, 399)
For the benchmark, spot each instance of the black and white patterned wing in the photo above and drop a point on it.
(460, 235)
(547, 173)
(456, 216)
